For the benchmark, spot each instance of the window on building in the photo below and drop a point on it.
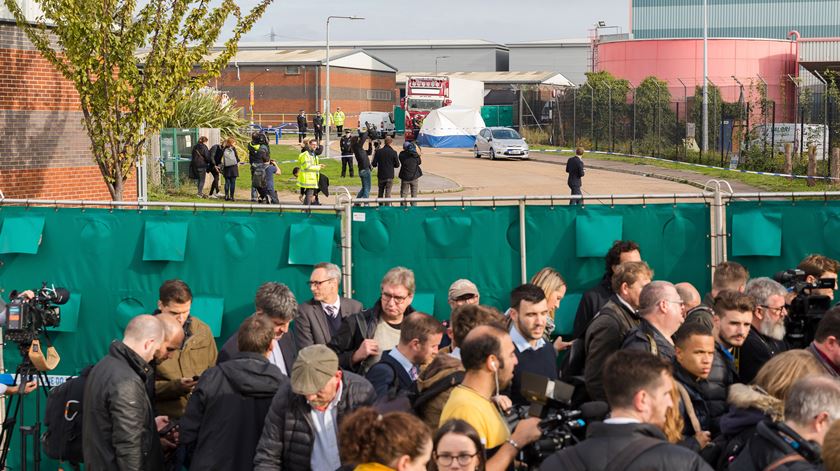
(380, 95)
(292, 70)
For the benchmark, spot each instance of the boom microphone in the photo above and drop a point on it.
(595, 410)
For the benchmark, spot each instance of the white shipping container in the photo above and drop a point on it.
(466, 93)
(792, 133)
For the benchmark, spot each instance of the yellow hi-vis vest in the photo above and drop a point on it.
(338, 118)
(310, 170)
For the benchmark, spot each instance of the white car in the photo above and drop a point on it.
(500, 142)
(383, 121)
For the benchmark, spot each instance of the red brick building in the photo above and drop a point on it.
(45, 148)
(287, 81)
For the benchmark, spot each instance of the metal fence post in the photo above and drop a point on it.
(347, 243)
(523, 254)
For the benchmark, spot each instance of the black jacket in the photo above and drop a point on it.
(755, 352)
(695, 388)
(287, 345)
(362, 154)
(603, 338)
(226, 412)
(574, 167)
(201, 158)
(311, 322)
(773, 441)
(354, 330)
(287, 437)
(386, 160)
(410, 166)
(301, 122)
(606, 441)
(381, 376)
(117, 411)
(344, 145)
(722, 376)
(590, 303)
(640, 339)
(318, 122)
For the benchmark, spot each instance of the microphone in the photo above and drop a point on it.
(60, 295)
(595, 410)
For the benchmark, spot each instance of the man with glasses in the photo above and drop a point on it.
(767, 335)
(320, 318)
(660, 308)
(363, 337)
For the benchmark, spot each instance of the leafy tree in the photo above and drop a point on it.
(605, 89)
(654, 117)
(126, 96)
(715, 102)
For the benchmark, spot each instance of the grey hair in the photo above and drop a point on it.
(331, 268)
(811, 396)
(760, 289)
(652, 294)
(144, 327)
(276, 300)
(400, 276)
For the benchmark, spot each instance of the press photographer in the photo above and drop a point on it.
(638, 388)
(811, 284)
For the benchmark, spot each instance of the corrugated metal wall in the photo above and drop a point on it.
(653, 19)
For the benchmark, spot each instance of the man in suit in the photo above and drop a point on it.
(319, 318)
(574, 167)
(278, 303)
(419, 339)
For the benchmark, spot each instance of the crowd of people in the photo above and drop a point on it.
(325, 384)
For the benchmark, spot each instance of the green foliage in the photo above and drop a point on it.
(601, 90)
(715, 101)
(207, 108)
(125, 97)
(654, 117)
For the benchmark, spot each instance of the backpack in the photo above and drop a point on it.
(62, 440)
(230, 157)
(258, 176)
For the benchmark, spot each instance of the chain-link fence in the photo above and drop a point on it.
(752, 132)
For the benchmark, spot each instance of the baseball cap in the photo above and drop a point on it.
(462, 287)
(313, 368)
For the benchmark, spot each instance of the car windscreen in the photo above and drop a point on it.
(425, 105)
(505, 134)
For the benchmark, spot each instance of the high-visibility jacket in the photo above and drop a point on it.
(310, 170)
(338, 118)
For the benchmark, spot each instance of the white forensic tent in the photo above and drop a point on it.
(451, 127)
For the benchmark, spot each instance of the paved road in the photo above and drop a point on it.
(455, 172)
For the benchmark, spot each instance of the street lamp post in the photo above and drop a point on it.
(436, 62)
(705, 147)
(328, 110)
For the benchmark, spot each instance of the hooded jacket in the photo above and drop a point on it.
(442, 367)
(226, 412)
(749, 405)
(773, 441)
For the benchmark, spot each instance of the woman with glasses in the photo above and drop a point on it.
(457, 447)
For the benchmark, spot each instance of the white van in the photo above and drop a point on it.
(383, 121)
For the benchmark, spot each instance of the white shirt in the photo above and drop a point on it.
(276, 357)
(325, 443)
(336, 305)
(522, 343)
(622, 420)
(456, 353)
(402, 360)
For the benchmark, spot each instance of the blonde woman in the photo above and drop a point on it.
(230, 167)
(554, 287)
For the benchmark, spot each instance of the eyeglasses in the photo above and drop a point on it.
(776, 310)
(446, 460)
(397, 299)
(680, 302)
(317, 284)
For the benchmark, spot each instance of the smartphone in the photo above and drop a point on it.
(168, 428)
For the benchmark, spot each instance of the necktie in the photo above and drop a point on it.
(330, 311)
(413, 373)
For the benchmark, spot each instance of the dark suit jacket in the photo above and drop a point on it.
(310, 326)
(381, 376)
(287, 347)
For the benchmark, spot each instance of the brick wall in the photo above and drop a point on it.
(46, 150)
(277, 92)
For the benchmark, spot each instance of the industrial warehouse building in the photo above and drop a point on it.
(570, 57)
(288, 80)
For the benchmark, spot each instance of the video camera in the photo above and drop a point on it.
(26, 316)
(561, 425)
(807, 309)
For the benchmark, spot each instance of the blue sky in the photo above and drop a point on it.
(493, 20)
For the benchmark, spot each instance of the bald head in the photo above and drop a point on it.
(144, 335)
(689, 294)
(173, 336)
(654, 292)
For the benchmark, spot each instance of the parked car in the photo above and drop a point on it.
(500, 142)
(382, 121)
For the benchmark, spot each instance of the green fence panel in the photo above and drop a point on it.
(782, 233)
(399, 120)
(440, 245)
(505, 115)
(490, 115)
(673, 240)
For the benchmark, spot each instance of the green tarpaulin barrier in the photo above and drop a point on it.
(310, 244)
(756, 233)
(21, 234)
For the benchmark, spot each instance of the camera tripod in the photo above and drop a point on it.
(25, 372)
